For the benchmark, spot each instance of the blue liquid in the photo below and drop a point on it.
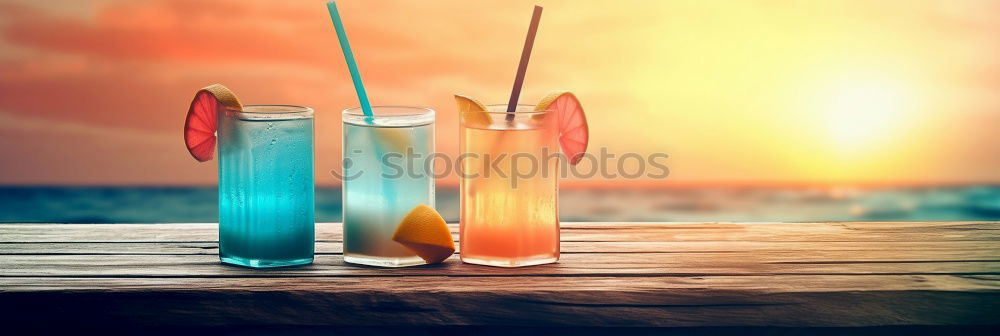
(266, 206)
(374, 203)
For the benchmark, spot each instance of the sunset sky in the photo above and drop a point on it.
(95, 92)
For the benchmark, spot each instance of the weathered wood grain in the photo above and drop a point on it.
(595, 264)
(892, 249)
(533, 301)
(610, 274)
(766, 283)
(570, 232)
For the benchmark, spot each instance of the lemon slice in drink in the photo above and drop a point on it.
(473, 113)
(393, 140)
(425, 233)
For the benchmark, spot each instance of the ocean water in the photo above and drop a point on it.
(200, 204)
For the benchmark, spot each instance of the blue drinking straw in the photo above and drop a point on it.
(366, 107)
(352, 65)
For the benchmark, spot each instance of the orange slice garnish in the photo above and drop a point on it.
(573, 131)
(201, 122)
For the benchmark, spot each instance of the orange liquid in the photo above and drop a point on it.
(509, 219)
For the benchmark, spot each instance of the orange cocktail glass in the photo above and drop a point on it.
(510, 188)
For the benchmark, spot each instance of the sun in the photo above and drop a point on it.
(862, 112)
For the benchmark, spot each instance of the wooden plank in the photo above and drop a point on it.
(852, 248)
(581, 264)
(794, 301)
(570, 232)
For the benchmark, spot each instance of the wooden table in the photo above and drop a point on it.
(610, 274)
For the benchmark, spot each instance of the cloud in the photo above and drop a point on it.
(41, 126)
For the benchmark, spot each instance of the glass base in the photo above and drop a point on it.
(264, 263)
(511, 262)
(383, 261)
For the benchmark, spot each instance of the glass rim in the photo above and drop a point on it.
(502, 109)
(271, 112)
(418, 111)
(278, 109)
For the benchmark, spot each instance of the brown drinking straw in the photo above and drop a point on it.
(522, 67)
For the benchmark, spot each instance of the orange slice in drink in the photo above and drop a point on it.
(425, 233)
(573, 130)
(473, 113)
(202, 119)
